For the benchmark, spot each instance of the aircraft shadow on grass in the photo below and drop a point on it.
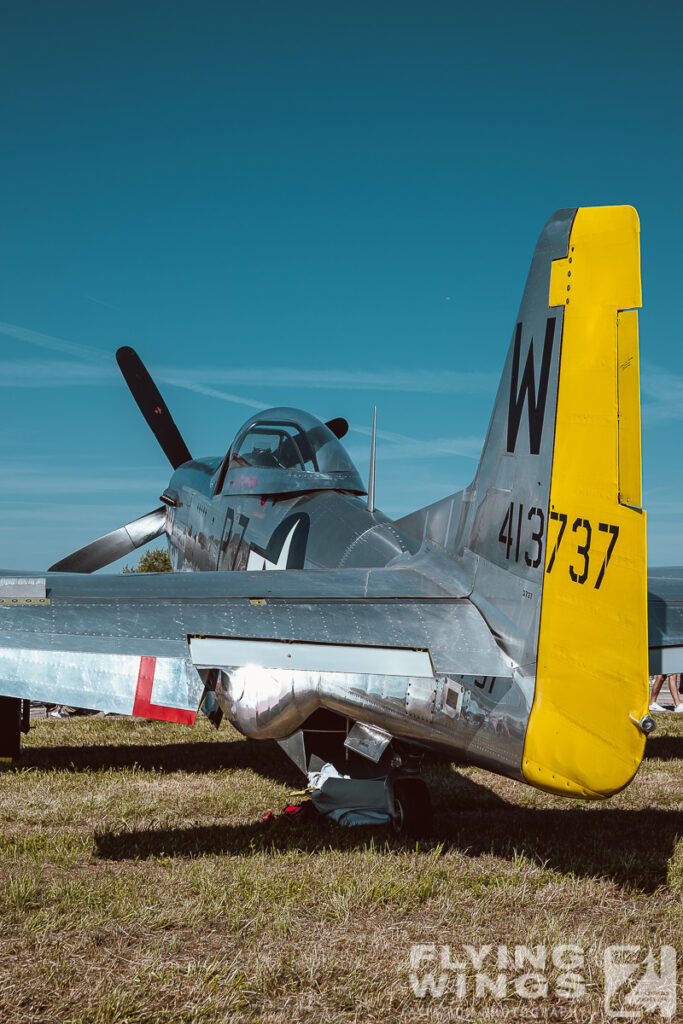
(630, 847)
(266, 758)
(664, 748)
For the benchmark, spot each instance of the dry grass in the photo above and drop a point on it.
(139, 884)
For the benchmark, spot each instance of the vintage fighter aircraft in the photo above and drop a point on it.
(505, 625)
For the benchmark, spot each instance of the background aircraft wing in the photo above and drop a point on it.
(665, 619)
(133, 644)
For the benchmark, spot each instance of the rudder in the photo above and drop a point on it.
(583, 736)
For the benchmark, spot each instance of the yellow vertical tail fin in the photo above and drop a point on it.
(583, 736)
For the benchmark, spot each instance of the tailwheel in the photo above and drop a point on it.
(412, 811)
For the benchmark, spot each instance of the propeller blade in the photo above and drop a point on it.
(152, 406)
(114, 545)
(338, 426)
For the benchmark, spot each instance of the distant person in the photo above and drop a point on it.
(674, 681)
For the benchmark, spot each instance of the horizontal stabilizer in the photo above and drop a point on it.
(364, 643)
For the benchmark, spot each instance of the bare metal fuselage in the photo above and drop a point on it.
(332, 529)
(477, 715)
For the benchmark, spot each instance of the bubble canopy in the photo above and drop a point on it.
(284, 450)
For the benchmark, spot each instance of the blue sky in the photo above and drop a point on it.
(316, 204)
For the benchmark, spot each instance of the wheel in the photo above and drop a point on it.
(412, 808)
(10, 728)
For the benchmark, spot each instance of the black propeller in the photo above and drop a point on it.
(152, 406)
(127, 538)
(338, 426)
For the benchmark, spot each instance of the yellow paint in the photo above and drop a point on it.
(592, 677)
(628, 391)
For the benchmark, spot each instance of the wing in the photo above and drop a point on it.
(135, 644)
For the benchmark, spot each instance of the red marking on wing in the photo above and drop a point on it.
(143, 707)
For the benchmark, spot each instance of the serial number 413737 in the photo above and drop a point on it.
(523, 534)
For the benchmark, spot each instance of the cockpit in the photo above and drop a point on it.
(282, 451)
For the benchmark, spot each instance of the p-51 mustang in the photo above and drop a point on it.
(505, 626)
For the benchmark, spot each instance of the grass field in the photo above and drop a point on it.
(139, 883)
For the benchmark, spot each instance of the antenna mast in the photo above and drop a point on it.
(371, 475)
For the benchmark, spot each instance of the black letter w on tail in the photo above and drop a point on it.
(527, 389)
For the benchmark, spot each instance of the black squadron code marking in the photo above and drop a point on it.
(234, 543)
(231, 543)
(526, 390)
(490, 680)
